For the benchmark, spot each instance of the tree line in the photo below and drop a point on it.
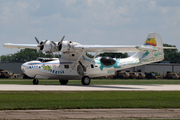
(24, 55)
(172, 55)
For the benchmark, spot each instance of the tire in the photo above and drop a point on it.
(35, 81)
(63, 82)
(85, 80)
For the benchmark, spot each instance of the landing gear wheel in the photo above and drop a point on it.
(85, 80)
(63, 82)
(35, 81)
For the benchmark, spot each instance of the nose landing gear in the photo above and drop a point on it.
(63, 82)
(35, 81)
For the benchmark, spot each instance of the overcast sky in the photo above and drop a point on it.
(106, 22)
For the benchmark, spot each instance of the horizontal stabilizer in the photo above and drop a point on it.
(146, 47)
(167, 47)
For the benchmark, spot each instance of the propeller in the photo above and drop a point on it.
(37, 40)
(41, 44)
(60, 43)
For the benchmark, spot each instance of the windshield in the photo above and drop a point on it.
(45, 59)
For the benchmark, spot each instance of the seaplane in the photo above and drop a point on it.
(75, 65)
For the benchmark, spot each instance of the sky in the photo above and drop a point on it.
(89, 22)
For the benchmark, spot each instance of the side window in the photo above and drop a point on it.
(66, 66)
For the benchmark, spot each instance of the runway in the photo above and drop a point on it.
(10, 87)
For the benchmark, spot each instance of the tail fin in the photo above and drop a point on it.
(152, 50)
(154, 39)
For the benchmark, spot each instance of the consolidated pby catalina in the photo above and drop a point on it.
(75, 65)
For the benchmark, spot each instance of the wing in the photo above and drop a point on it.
(20, 46)
(107, 48)
(118, 48)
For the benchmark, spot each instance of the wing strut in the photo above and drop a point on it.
(92, 60)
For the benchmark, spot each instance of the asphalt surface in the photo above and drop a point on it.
(7, 87)
(81, 114)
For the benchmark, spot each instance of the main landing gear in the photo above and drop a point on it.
(63, 82)
(35, 81)
(85, 80)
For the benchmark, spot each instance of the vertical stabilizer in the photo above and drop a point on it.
(152, 50)
(154, 39)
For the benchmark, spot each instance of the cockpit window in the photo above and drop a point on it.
(45, 59)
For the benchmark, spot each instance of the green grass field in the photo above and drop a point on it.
(78, 100)
(96, 81)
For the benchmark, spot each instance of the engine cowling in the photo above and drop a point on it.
(50, 46)
(65, 46)
(47, 47)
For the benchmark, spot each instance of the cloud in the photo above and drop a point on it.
(14, 12)
(89, 21)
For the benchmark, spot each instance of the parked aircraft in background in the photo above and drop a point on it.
(75, 65)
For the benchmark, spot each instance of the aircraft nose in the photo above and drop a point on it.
(24, 67)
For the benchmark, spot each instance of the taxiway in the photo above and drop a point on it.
(6, 87)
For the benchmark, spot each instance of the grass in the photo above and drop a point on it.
(96, 81)
(77, 100)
